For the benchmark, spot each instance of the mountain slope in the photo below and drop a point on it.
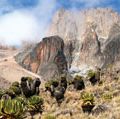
(10, 70)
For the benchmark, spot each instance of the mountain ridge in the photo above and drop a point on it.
(74, 26)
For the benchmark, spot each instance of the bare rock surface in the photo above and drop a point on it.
(94, 34)
(46, 58)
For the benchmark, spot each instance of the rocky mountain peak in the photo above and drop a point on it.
(66, 22)
(90, 30)
(46, 58)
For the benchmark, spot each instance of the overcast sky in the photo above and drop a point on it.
(28, 19)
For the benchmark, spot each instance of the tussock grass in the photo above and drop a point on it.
(71, 106)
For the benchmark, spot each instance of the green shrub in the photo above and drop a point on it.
(30, 80)
(54, 82)
(88, 102)
(107, 96)
(11, 109)
(10, 92)
(87, 98)
(16, 84)
(2, 92)
(90, 73)
(47, 84)
(70, 82)
(15, 89)
(22, 99)
(78, 77)
(34, 104)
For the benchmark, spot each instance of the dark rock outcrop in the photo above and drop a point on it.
(90, 49)
(46, 58)
(69, 51)
(94, 53)
(111, 51)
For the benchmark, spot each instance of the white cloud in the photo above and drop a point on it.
(26, 24)
(18, 26)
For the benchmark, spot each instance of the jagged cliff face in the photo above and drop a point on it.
(72, 24)
(90, 38)
(90, 50)
(45, 58)
(94, 32)
(111, 50)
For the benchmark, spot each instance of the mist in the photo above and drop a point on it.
(26, 24)
(19, 23)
